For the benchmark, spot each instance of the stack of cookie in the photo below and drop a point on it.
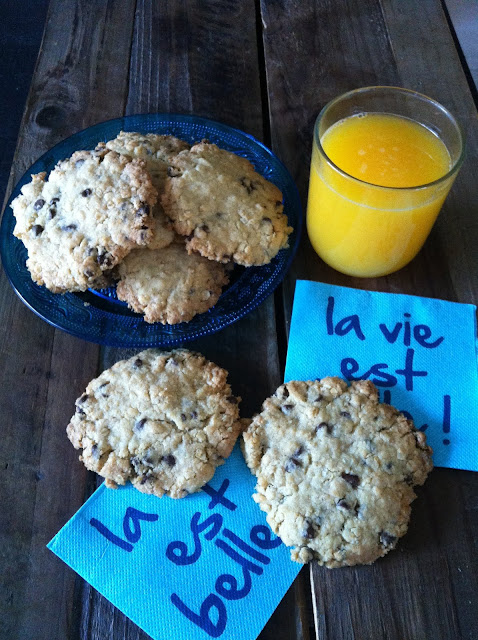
(159, 216)
(335, 468)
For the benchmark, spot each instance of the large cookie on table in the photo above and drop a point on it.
(335, 470)
(156, 151)
(86, 217)
(163, 420)
(226, 210)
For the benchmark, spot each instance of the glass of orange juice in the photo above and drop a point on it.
(383, 161)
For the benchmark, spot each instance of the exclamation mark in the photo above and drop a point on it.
(446, 417)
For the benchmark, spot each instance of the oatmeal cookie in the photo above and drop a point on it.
(335, 470)
(225, 208)
(163, 420)
(169, 285)
(157, 151)
(86, 217)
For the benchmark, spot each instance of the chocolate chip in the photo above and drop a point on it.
(37, 230)
(83, 398)
(387, 539)
(86, 192)
(104, 259)
(38, 204)
(51, 213)
(352, 479)
(70, 227)
(183, 417)
(232, 399)
(292, 464)
(104, 384)
(143, 209)
(319, 398)
(194, 414)
(342, 504)
(287, 407)
(346, 415)
(323, 425)
(95, 451)
(144, 478)
(137, 363)
(388, 466)
(140, 424)
(170, 460)
(174, 172)
(285, 392)
(248, 184)
(299, 451)
(80, 410)
(309, 530)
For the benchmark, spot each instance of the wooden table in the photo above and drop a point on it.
(266, 67)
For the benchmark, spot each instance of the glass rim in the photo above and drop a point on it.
(453, 170)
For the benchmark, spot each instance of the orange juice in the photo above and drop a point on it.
(373, 215)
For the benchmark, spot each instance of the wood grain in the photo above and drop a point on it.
(418, 591)
(189, 58)
(266, 67)
(21, 32)
(42, 483)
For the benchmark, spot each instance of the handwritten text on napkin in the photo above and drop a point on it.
(419, 352)
(205, 566)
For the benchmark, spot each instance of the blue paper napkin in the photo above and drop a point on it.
(205, 566)
(419, 352)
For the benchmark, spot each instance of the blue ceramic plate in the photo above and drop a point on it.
(98, 316)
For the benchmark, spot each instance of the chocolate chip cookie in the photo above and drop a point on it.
(226, 210)
(169, 285)
(335, 470)
(157, 151)
(81, 221)
(163, 420)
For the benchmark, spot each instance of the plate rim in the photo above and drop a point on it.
(128, 340)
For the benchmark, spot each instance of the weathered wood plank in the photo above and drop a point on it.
(463, 15)
(437, 72)
(43, 483)
(21, 32)
(202, 58)
(419, 590)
